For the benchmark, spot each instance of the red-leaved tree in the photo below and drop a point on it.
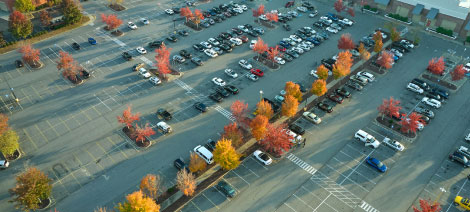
(163, 60)
(231, 132)
(68, 66)
(385, 60)
(389, 107)
(186, 12)
(30, 54)
(458, 73)
(45, 18)
(112, 21)
(197, 17)
(258, 11)
(427, 206)
(141, 133)
(276, 140)
(240, 111)
(410, 123)
(345, 42)
(272, 17)
(128, 118)
(436, 66)
(339, 6)
(260, 47)
(351, 12)
(273, 53)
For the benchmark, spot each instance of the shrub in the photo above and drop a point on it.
(468, 38)
(445, 31)
(398, 17)
(368, 7)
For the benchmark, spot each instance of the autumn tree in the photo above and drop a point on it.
(128, 118)
(258, 127)
(264, 108)
(258, 11)
(45, 18)
(19, 25)
(293, 89)
(389, 107)
(3, 42)
(343, 64)
(322, 72)
(225, 155)
(32, 187)
(395, 35)
(231, 132)
(239, 111)
(345, 42)
(196, 163)
(361, 48)
(24, 5)
(71, 11)
(351, 12)
(458, 73)
(185, 182)
(3, 123)
(289, 106)
(436, 66)
(163, 60)
(137, 201)
(365, 55)
(319, 87)
(186, 12)
(198, 17)
(410, 123)
(101, 209)
(277, 140)
(273, 53)
(378, 46)
(377, 36)
(151, 186)
(260, 47)
(272, 17)
(141, 133)
(9, 142)
(385, 60)
(68, 65)
(30, 54)
(112, 21)
(427, 206)
(339, 6)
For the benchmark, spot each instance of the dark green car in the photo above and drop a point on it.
(226, 188)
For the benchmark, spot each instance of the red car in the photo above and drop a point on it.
(280, 48)
(289, 4)
(257, 72)
(335, 98)
(243, 38)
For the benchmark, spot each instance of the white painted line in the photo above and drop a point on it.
(289, 206)
(368, 207)
(250, 170)
(346, 178)
(196, 206)
(302, 201)
(150, 63)
(103, 102)
(256, 161)
(310, 192)
(118, 42)
(240, 177)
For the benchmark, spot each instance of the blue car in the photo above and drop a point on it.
(92, 41)
(314, 41)
(332, 16)
(376, 164)
(284, 44)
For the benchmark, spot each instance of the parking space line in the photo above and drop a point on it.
(346, 177)
(355, 160)
(36, 91)
(240, 177)
(27, 135)
(223, 195)
(302, 201)
(356, 171)
(196, 206)
(210, 200)
(96, 109)
(250, 170)
(105, 152)
(50, 126)
(79, 161)
(310, 192)
(94, 159)
(110, 140)
(86, 115)
(102, 102)
(289, 206)
(71, 173)
(60, 181)
(111, 97)
(252, 158)
(47, 140)
(461, 187)
(63, 122)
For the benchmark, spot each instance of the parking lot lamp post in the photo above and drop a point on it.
(261, 95)
(174, 25)
(440, 194)
(305, 107)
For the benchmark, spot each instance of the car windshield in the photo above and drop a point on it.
(380, 164)
(264, 156)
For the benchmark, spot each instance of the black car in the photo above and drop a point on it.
(237, 31)
(442, 92)
(226, 35)
(248, 26)
(274, 106)
(19, 63)
(301, 87)
(183, 32)
(198, 47)
(301, 35)
(156, 44)
(459, 157)
(221, 17)
(200, 106)
(297, 129)
(304, 33)
(185, 54)
(421, 84)
(228, 43)
(216, 97)
(401, 47)
(197, 61)
(292, 53)
(433, 95)
(85, 74)
(225, 47)
(325, 107)
(176, 10)
(259, 30)
(286, 27)
(172, 38)
(252, 33)
(217, 19)
(287, 57)
(76, 46)
(232, 89)
(180, 164)
(222, 91)
(328, 63)
(343, 92)
(127, 56)
(162, 113)
(210, 145)
(282, 19)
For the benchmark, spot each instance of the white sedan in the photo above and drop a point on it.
(431, 102)
(279, 60)
(155, 80)
(144, 73)
(245, 64)
(302, 9)
(213, 41)
(236, 41)
(346, 21)
(393, 144)
(396, 52)
(231, 73)
(206, 45)
(144, 21)
(263, 17)
(218, 81)
(169, 11)
(295, 38)
(314, 73)
(252, 77)
(211, 53)
(326, 19)
(252, 44)
(141, 50)
(312, 117)
(262, 157)
(131, 25)
(332, 30)
(243, 28)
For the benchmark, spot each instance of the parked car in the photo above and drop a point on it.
(226, 188)
(459, 157)
(200, 106)
(245, 64)
(198, 47)
(222, 91)
(252, 77)
(164, 114)
(185, 54)
(462, 202)
(312, 117)
(197, 61)
(377, 164)
(155, 80)
(335, 98)
(76, 46)
(231, 73)
(424, 111)
(415, 88)
(144, 73)
(393, 144)
(257, 72)
(325, 107)
(343, 92)
(431, 102)
(19, 63)
(262, 157)
(297, 129)
(354, 85)
(421, 84)
(131, 25)
(180, 164)
(92, 41)
(156, 44)
(216, 97)
(218, 81)
(232, 89)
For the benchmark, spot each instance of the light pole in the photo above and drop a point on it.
(260, 95)
(440, 194)
(305, 107)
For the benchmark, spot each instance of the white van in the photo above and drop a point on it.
(164, 127)
(368, 139)
(204, 153)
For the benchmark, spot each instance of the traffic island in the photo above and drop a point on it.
(440, 82)
(14, 156)
(265, 24)
(117, 33)
(44, 204)
(116, 7)
(390, 124)
(35, 65)
(130, 134)
(266, 62)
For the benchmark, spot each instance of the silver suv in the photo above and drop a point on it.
(425, 112)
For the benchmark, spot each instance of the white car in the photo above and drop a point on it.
(236, 41)
(263, 17)
(238, 10)
(370, 77)
(252, 44)
(312, 15)
(332, 30)
(141, 50)
(213, 41)
(169, 11)
(262, 157)
(467, 138)
(211, 53)
(346, 22)
(298, 50)
(293, 13)
(304, 47)
(312, 117)
(231, 73)
(252, 77)
(396, 52)
(295, 38)
(245, 64)
(155, 80)
(415, 88)
(244, 7)
(206, 45)
(243, 28)
(326, 19)
(384, 36)
(431, 102)
(4, 164)
(393, 144)
(144, 73)
(290, 41)
(407, 43)
(279, 60)
(302, 9)
(218, 81)
(131, 25)
(467, 67)
(314, 73)
(309, 44)
(144, 21)
(420, 125)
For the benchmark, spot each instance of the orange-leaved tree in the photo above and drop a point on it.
(345, 42)
(163, 60)
(234, 134)
(385, 60)
(377, 36)
(293, 89)
(378, 46)
(186, 12)
(128, 118)
(410, 123)
(260, 47)
(319, 87)
(289, 106)
(351, 12)
(436, 66)
(141, 133)
(196, 163)
(277, 140)
(272, 17)
(112, 21)
(30, 54)
(3, 123)
(68, 65)
(151, 186)
(395, 35)
(137, 201)
(273, 53)
(45, 18)
(197, 17)
(239, 111)
(322, 72)
(258, 127)
(458, 73)
(32, 188)
(225, 155)
(345, 61)
(389, 107)
(427, 206)
(257, 12)
(186, 182)
(264, 108)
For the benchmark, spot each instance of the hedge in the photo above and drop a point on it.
(445, 31)
(367, 7)
(468, 38)
(398, 17)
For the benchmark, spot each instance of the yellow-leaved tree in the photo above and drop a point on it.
(225, 155)
(137, 201)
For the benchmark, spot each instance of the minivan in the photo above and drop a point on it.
(204, 153)
(164, 127)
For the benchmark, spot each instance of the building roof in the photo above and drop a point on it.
(418, 9)
(384, 2)
(467, 26)
(432, 13)
(455, 8)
